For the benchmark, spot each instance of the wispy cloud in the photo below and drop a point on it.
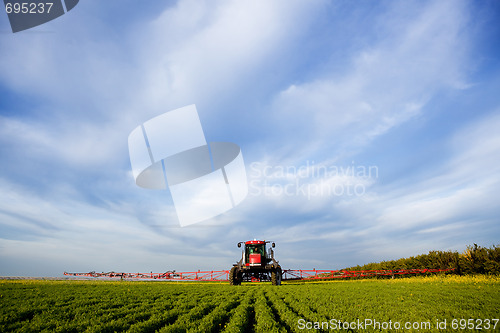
(292, 83)
(387, 82)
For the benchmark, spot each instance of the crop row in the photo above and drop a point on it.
(35, 306)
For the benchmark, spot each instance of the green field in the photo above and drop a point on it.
(119, 306)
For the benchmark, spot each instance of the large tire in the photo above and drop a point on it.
(233, 277)
(276, 276)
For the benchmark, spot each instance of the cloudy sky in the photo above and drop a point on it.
(370, 131)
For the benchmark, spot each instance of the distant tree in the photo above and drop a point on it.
(474, 260)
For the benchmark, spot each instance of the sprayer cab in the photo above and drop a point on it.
(256, 264)
(255, 253)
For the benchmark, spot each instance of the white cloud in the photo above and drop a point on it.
(203, 51)
(93, 90)
(388, 83)
(63, 144)
(76, 235)
(464, 187)
(445, 208)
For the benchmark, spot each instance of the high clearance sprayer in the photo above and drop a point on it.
(257, 265)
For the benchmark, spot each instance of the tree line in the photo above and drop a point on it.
(474, 260)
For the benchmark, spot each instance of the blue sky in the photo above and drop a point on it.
(408, 90)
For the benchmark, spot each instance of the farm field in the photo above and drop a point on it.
(136, 306)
